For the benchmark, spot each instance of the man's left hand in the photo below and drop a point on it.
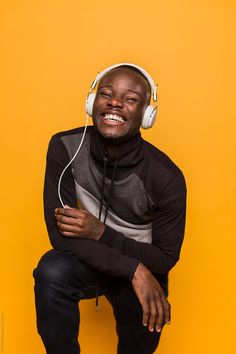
(79, 223)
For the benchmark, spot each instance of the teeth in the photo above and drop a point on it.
(114, 118)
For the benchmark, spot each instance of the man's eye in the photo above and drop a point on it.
(131, 99)
(105, 94)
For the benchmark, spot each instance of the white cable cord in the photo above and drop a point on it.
(77, 151)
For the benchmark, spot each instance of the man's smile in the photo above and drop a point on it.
(113, 118)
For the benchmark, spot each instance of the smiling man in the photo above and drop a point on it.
(122, 228)
(120, 103)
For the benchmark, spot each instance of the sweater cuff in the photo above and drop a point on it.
(111, 238)
(108, 236)
(132, 268)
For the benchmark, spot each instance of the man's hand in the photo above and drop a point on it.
(80, 223)
(156, 309)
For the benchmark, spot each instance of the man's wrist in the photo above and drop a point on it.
(98, 231)
(139, 270)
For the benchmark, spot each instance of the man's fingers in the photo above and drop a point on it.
(68, 234)
(68, 220)
(153, 316)
(167, 311)
(146, 313)
(70, 212)
(160, 319)
(70, 228)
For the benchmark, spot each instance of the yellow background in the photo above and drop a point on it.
(50, 53)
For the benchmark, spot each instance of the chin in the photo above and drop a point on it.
(111, 133)
(110, 136)
(113, 137)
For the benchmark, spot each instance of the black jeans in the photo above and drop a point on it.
(61, 281)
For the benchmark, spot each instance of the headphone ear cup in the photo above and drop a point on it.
(89, 103)
(149, 117)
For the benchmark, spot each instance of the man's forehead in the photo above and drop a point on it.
(128, 75)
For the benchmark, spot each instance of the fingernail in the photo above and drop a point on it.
(67, 207)
(168, 322)
(56, 210)
(151, 329)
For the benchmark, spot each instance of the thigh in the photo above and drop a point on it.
(58, 269)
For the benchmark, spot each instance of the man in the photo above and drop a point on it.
(121, 229)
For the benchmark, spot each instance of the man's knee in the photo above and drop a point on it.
(54, 267)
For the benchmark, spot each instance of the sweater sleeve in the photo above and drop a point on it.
(167, 231)
(100, 256)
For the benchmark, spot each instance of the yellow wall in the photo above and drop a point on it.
(50, 53)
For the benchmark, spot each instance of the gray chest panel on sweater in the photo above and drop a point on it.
(142, 233)
(129, 201)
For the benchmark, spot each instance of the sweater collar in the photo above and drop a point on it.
(128, 152)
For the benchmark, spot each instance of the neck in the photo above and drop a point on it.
(127, 151)
(112, 145)
(115, 145)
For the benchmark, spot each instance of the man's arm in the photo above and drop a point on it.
(167, 231)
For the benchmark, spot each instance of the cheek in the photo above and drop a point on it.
(98, 103)
(137, 117)
(137, 124)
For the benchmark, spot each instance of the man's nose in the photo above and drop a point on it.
(115, 102)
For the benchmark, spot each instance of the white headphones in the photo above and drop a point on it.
(150, 113)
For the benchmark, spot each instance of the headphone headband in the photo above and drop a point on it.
(148, 77)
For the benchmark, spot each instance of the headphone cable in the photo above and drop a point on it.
(70, 162)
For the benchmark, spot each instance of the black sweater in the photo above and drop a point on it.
(146, 203)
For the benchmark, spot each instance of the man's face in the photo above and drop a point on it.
(120, 102)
